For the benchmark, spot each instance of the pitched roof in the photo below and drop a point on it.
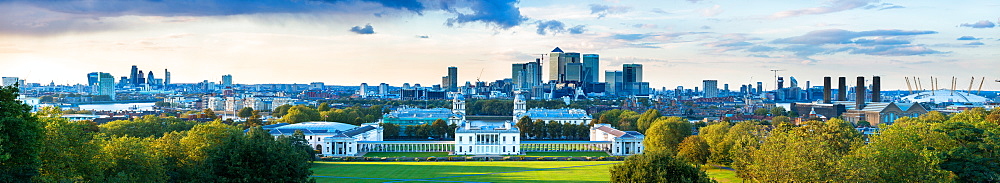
(557, 50)
(612, 131)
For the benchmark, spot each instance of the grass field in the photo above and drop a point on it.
(721, 175)
(496, 171)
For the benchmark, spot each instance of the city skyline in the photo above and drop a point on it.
(395, 42)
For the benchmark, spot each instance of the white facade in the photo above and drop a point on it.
(623, 143)
(330, 138)
(487, 140)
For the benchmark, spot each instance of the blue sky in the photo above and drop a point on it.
(347, 42)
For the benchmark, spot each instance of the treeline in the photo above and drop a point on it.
(43, 147)
(539, 129)
(627, 120)
(495, 107)
(933, 147)
(439, 129)
(323, 112)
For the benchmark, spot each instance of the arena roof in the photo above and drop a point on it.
(941, 96)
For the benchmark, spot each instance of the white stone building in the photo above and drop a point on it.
(564, 115)
(623, 143)
(330, 138)
(487, 140)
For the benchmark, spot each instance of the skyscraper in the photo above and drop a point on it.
(711, 88)
(574, 73)
(614, 81)
(92, 78)
(591, 68)
(140, 80)
(227, 80)
(166, 77)
(555, 64)
(526, 75)
(134, 76)
(452, 79)
(106, 85)
(632, 73)
(150, 79)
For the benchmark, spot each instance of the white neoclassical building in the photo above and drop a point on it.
(623, 143)
(330, 138)
(564, 115)
(487, 140)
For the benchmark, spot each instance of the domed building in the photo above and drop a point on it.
(943, 96)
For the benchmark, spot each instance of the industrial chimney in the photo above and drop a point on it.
(859, 99)
(842, 89)
(826, 90)
(876, 89)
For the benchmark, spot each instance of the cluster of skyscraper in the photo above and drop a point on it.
(571, 73)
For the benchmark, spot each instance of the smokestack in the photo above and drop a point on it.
(859, 99)
(826, 90)
(876, 89)
(842, 89)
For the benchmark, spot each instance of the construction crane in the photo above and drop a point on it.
(776, 77)
(480, 75)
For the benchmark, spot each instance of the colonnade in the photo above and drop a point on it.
(568, 146)
(414, 146)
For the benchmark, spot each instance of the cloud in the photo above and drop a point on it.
(555, 26)
(883, 6)
(501, 13)
(660, 11)
(832, 7)
(61, 16)
(551, 26)
(840, 36)
(968, 38)
(603, 10)
(711, 12)
(423, 36)
(705, 27)
(579, 29)
(367, 29)
(980, 24)
(977, 43)
(894, 50)
(694, 1)
(645, 26)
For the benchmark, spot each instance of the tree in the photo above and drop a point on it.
(761, 111)
(744, 139)
(19, 134)
(245, 112)
(323, 107)
(208, 113)
(301, 113)
(440, 128)
(254, 120)
(907, 151)
(666, 133)
(539, 129)
(778, 111)
(147, 126)
(781, 120)
(259, 157)
(809, 153)
(647, 119)
(656, 167)
(715, 136)
(693, 149)
(390, 130)
(130, 159)
(525, 125)
(281, 110)
(69, 150)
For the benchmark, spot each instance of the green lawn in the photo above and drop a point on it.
(721, 175)
(467, 171)
(562, 154)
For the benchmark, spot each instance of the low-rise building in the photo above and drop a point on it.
(623, 143)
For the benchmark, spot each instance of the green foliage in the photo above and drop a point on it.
(809, 153)
(245, 112)
(646, 119)
(761, 111)
(743, 140)
(778, 111)
(20, 132)
(781, 121)
(323, 107)
(147, 126)
(489, 107)
(257, 153)
(301, 113)
(715, 136)
(440, 128)
(907, 151)
(353, 115)
(390, 130)
(693, 149)
(208, 113)
(130, 159)
(68, 152)
(654, 166)
(666, 133)
(526, 126)
(281, 110)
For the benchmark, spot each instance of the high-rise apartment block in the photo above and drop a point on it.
(711, 88)
(227, 80)
(452, 79)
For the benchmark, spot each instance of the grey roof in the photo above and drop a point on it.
(538, 113)
(318, 128)
(358, 130)
(440, 113)
(487, 129)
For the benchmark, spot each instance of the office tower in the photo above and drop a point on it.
(570, 58)
(574, 72)
(106, 85)
(614, 80)
(725, 87)
(134, 76)
(140, 80)
(150, 79)
(10, 81)
(526, 75)
(363, 90)
(124, 81)
(794, 83)
(166, 77)
(711, 88)
(781, 82)
(591, 68)
(760, 87)
(445, 83)
(227, 80)
(555, 64)
(632, 73)
(92, 78)
(383, 89)
(453, 79)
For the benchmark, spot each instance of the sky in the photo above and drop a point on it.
(348, 42)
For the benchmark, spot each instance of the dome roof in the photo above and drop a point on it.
(940, 96)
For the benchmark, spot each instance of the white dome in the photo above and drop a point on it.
(940, 96)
